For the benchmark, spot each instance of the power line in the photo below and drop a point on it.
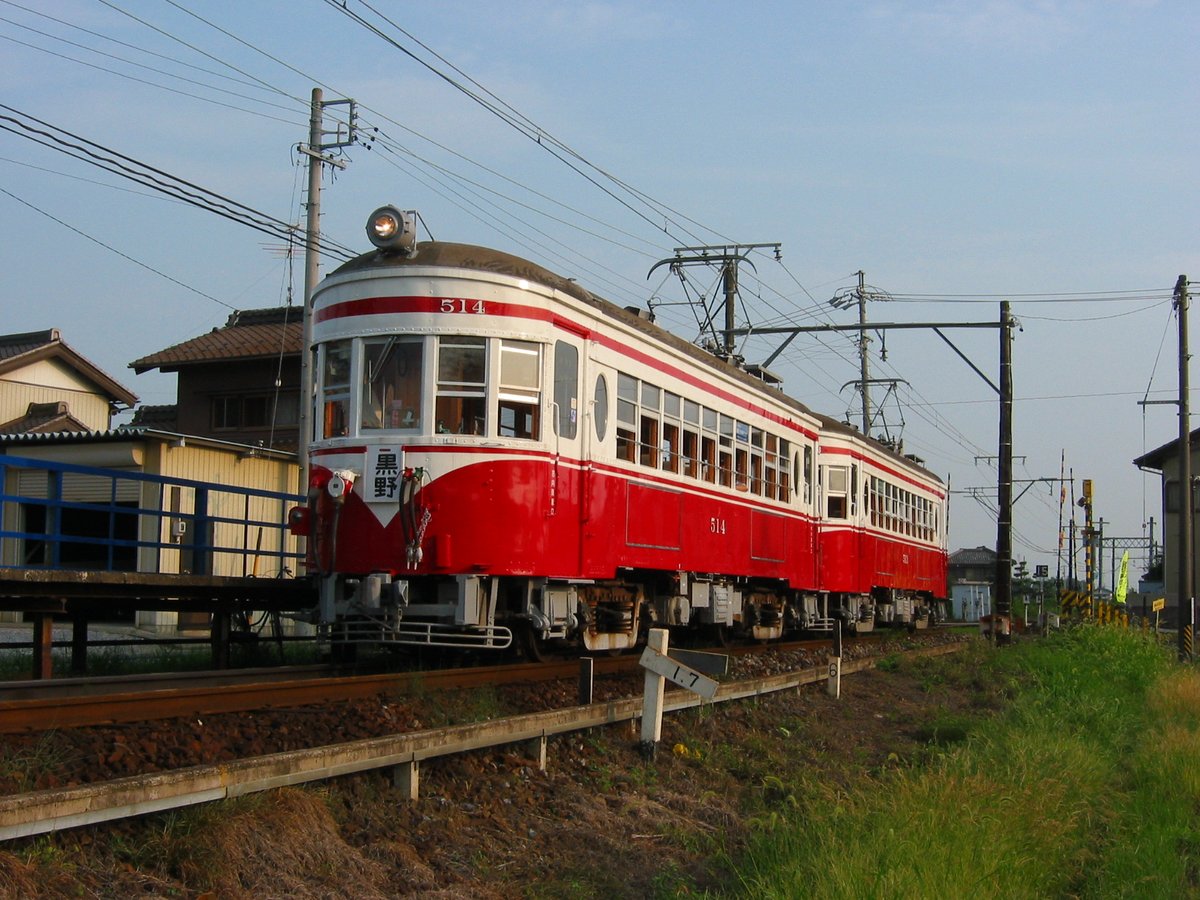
(203, 53)
(136, 262)
(102, 157)
(156, 70)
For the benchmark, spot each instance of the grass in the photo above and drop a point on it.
(1087, 786)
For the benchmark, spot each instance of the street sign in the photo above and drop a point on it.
(1158, 605)
(1041, 571)
(676, 671)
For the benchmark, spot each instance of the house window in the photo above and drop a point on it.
(1171, 497)
(232, 412)
(226, 413)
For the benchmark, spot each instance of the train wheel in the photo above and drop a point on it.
(532, 647)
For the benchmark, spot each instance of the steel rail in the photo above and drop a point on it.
(40, 706)
(47, 712)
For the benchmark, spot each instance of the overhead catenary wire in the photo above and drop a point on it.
(123, 255)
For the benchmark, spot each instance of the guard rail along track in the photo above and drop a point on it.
(23, 815)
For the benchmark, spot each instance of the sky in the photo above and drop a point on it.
(957, 153)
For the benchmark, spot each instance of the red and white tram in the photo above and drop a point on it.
(498, 452)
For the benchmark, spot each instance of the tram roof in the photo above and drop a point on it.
(485, 259)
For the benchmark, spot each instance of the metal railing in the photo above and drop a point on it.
(57, 515)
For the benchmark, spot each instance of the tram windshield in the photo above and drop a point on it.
(430, 385)
(391, 384)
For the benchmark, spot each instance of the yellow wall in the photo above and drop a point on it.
(48, 381)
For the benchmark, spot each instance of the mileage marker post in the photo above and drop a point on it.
(659, 668)
(834, 683)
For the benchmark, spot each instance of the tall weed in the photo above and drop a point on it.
(1056, 797)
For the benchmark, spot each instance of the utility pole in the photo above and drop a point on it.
(1187, 598)
(863, 356)
(315, 150)
(1005, 476)
(860, 295)
(1062, 499)
(1089, 540)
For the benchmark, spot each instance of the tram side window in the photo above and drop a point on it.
(626, 417)
(691, 453)
(566, 388)
(785, 461)
(708, 458)
(670, 432)
(461, 390)
(691, 438)
(708, 447)
(836, 484)
(335, 389)
(600, 409)
(770, 488)
(391, 388)
(520, 397)
(725, 455)
(648, 449)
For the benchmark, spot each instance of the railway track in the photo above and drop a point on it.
(73, 703)
(85, 801)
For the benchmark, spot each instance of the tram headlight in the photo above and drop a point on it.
(390, 228)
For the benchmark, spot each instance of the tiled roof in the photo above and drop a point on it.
(20, 350)
(248, 334)
(44, 418)
(162, 418)
(973, 556)
(17, 344)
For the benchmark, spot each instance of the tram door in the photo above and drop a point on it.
(567, 481)
(839, 544)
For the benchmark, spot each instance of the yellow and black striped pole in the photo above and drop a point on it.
(1090, 538)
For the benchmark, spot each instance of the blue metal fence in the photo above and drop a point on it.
(228, 530)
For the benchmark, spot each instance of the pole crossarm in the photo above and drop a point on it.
(1125, 543)
(872, 326)
(987, 490)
